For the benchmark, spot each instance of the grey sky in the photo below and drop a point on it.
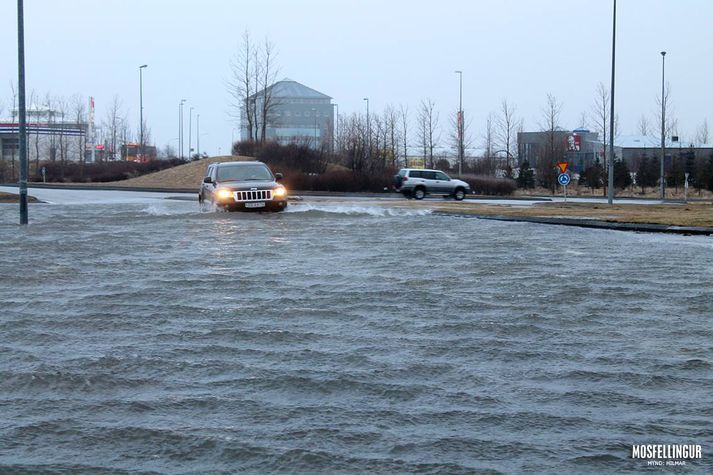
(396, 52)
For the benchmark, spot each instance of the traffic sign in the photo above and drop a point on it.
(563, 166)
(563, 179)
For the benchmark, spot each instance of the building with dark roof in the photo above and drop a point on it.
(298, 114)
(582, 148)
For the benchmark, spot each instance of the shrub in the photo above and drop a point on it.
(337, 180)
(74, 172)
(486, 185)
(292, 156)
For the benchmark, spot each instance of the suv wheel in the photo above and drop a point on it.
(419, 193)
(459, 194)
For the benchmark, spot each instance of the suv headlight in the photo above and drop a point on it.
(279, 192)
(224, 194)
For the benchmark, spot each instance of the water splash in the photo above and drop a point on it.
(356, 210)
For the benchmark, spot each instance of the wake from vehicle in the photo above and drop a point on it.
(355, 210)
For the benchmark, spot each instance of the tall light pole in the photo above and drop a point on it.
(180, 127)
(141, 109)
(610, 171)
(190, 123)
(368, 130)
(21, 106)
(460, 124)
(198, 135)
(662, 185)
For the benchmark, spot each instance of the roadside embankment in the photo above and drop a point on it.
(692, 218)
(14, 198)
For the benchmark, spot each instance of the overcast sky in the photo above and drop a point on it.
(394, 52)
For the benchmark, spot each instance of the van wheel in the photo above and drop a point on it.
(459, 194)
(419, 193)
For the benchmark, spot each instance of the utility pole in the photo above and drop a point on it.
(198, 135)
(21, 105)
(190, 123)
(662, 185)
(610, 171)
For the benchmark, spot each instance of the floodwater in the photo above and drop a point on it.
(138, 334)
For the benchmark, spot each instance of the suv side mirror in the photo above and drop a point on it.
(207, 180)
(278, 176)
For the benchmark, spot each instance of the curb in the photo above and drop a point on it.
(595, 224)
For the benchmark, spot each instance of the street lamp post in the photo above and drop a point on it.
(662, 185)
(368, 130)
(190, 123)
(460, 124)
(21, 106)
(180, 128)
(610, 171)
(141, 109)
(198, 135)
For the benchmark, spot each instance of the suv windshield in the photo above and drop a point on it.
(244, 173)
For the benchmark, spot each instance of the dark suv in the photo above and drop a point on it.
(243, 186)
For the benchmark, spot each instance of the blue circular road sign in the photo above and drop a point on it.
(563, 179)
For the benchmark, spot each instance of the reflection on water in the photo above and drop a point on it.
(345, 338)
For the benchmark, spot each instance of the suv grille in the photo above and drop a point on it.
(253, 195)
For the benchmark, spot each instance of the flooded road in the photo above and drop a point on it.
(139, 334)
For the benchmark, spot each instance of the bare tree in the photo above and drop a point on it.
(489, 137)
(242, 86)
(33, 100)
(428, 124)
(269, 73)
(506, 129)
(79, 111)
(671, 122)
(643, 125)
(168, 151)
(553, 148)
(489, 163)
(403, 114)
(62, 109)
(583, 121)
(112, 124)
(702, 133)
(391, 125)
(14, 111)
(600, 117)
